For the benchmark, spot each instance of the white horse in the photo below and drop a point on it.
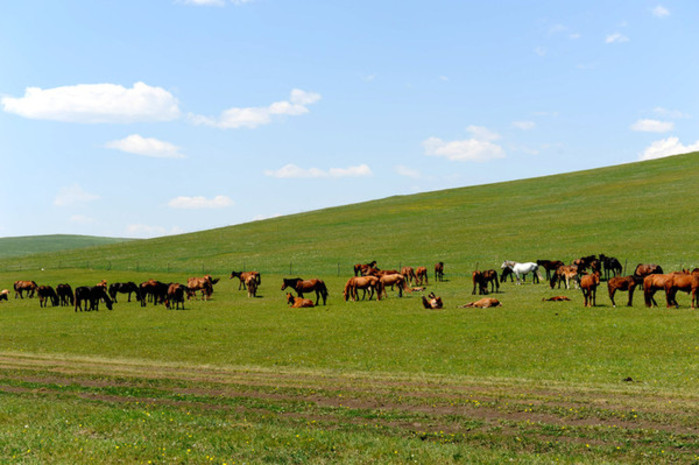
(522, 269)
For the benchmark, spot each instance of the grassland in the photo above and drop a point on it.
(28, 245)
(239, 380)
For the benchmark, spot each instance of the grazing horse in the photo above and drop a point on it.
(611, 266)
(251, 285)
(395, 279)
(409, 274)
(91, 295)
(175, 293)
(22, 286)
(155, 290)
(421, 276)
(644, 270)
(623, 283)
(204, 284)
(652, 283)
(371, 283)
(584, 262)
(588, 285)
(3, 294)
(360, 268)
(45, 294)
(565, 273)
(302, 286)
(65, 294)
(438, 272)
(549, 266)
(298, 302)
(124, 288)
(243, 275)
(485, 302)
(432, 302)
(482, 278)
(522, 269)
(685, 282)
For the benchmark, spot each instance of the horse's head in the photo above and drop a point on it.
(290, 299)
(235, 274)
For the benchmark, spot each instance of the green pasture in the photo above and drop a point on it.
(368, 381)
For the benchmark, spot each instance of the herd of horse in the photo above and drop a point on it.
(585, 273)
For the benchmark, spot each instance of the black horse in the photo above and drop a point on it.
(65, 294)
(45, 294)
(92, 296)
(611, 266)
(124, 288)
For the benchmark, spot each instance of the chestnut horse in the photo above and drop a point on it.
(395, 279)
(565, 273)
(204, 284)
(644, 270)
(438, 272)
(302, 286)
(549, 266)
(421, 276)
(22, 286)
(360, 268)
(588, 284)
(243, 275)
(408, 273)
(485, 302)
(482, 278)
(176, 293)
(298, 302)
(652, 283)
(625, 283)
(364, 283)
(685, 282)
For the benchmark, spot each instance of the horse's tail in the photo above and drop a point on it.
(323, 288)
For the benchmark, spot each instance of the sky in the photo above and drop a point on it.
(142, 119)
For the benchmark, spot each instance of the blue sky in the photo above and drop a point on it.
(143, 119)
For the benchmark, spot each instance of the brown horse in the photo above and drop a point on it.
(685, 282)
(204, 284)
(644, 270)
(25, 286)
(623, 283)
(565, 274)
(243, 275)
(485, 302)
(176, 293)
(370, 283)
(556, 298)
(549, 266)
(652, 283)
(302, 286)
(395, 279)
(360, 268)
(298, 302)
(421, 276)
(438, 272)
(482, 278)
(408, 273)
(251, 285)
(588, 285)
(432, 302)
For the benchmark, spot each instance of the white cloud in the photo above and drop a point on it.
(616, 38)
(72, 196)
(482, 133)
(252, 117)
(408, 172)
(524, 125)
(652, 125)
(660, 11)
(667, 147)
(148, 147)
(675, 114)
(95, 103)
(199, 202)
(479, 148)
(292, 171)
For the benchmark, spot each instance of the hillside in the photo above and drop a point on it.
(638, 211)
(28, 245)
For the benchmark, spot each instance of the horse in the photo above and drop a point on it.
(421, 276)
(125, 288)
(685, 282)
(45, 294)
(432, 302)
(485, 302)
(588, 285)
(584, 262)
(155, 290)
(522, 269)
(652, 283)
(302, 286)
(556, 298)
(644, 270)
(391, 280)
(359, 268)
(623, 283)
(3, 294)
(549, 266)
(438, 272)
(65, 294)
(204, 284)
(251, 285)
(91, 295)
(565, 273)
(243, 275)
(175, 293)
(22, 286)
(611, 266)
(409, 274)
(482, 278)
(364, 283)
(298, 302)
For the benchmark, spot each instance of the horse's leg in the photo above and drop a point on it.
(612, 291)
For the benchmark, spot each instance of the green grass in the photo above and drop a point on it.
(27, 245)
(252, 381)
